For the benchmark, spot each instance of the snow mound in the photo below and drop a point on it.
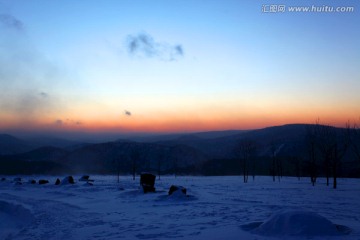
(298, 223)
(13, 218)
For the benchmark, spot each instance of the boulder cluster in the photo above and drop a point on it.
(65, 181)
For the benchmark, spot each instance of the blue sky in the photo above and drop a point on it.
(68, 65)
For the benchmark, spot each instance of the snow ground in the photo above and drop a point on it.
(216, 208)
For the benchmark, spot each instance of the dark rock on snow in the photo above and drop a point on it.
(147, 181)
(32, 181)
(85, 178)
(175, 188)
(68, 180)
(42, 181)
(17, 179)
(57, 182)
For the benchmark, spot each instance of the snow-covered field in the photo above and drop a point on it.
(215, 208)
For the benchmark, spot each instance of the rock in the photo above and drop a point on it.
(57, 182)
(17, 179)
(84, 178)
(175, 188)
(32, 181)
(147, 181)
(42, 181)
(68, 180)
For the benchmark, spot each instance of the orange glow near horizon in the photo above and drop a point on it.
(178, 114)
(171, 122)
(124, 75)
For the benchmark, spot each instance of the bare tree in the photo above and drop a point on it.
(325, 136)
(354, 137)
(160, 159)
(253, 162)
(246, 150)
(135, 157)
(297, 162)
(118, 167)
(175, 167)
(339, 151)
(333, 147)
(273, 161)
(311, 149)
(279, 167)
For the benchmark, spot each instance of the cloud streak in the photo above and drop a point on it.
(144, 45)
(67, 122)
(9, 21)
(26, 76)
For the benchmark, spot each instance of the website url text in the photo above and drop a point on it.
(278, 8)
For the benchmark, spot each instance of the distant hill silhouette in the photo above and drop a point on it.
(187, 153)
(292, 136)
(12, 145)
(53, 154)
(105, 156)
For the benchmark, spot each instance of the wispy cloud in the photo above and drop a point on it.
(58, 122)
(67, 122)
(144, 45)
(9, 21)
(26, 76)
(26, 105)
(43, 94)
(127, 113)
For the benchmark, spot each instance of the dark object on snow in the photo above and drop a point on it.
(85, 178)
(175, 188)
(147, 181)
(3, 179)
(17, 179)
(68, 180)
(57, 182)
(32, 181)
(42, 181)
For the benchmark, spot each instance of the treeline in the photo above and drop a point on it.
(303, 151)
(21, 167)
(322, 154)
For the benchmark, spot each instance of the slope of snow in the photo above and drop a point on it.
(214, 208)
(298, 223)
(13, 218)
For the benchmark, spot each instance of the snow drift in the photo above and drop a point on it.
(299, 223)
(214, 208)
(13, 218)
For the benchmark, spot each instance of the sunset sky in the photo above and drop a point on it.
(175, 65)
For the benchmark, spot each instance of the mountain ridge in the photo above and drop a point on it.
(186, 151)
